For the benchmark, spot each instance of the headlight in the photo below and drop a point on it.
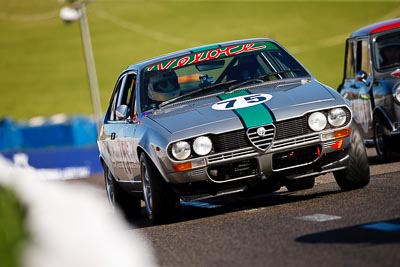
(397, 95)
(181, 150)
(317, 121)
(337, 117)
(202, 145)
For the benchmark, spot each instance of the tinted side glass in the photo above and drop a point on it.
(114, 101)
(387, 51)
(123, 95)
(349, 67)
(363, 57)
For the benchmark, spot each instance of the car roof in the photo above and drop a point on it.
(140, 65)
(377, 28)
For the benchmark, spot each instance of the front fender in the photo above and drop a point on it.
(388, 123)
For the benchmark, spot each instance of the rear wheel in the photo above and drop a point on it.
(159, 198)
(356, 175)
(130, 205)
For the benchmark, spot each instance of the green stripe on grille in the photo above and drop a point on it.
(253, 116)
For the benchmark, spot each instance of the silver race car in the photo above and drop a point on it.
(228, 118)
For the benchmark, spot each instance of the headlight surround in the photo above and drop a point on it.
(181, 150)
(337, 117)
(396, 94)
(317, 121)
(202, 145)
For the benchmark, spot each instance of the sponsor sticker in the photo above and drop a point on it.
(211, 54)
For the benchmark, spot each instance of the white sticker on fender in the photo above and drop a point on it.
(241, 101)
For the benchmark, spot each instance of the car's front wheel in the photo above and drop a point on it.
(356, 175)
(130, 205)
(159, 198)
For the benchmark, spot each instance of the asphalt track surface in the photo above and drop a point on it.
(322, 226)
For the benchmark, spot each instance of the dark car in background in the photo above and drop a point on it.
(228, 118)
(372, 84)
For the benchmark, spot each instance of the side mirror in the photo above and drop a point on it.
(361, 76)
(122, 112)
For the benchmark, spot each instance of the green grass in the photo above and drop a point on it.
(42, 71)
(13, 232)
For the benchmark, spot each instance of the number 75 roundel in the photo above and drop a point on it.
(242, 101)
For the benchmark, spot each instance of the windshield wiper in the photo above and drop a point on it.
(167, 102)
(279, 72)
(261, 79)
(233, 87)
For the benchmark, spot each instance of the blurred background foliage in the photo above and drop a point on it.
(42, 68)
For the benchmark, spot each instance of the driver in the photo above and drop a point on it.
(390, 54)
(246, 69)
(163, 86)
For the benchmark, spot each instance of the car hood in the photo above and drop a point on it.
(267, 104)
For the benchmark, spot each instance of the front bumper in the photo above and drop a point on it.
(292, 158)
(253, 180)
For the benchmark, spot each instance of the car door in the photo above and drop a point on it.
(357, 83)
(117, 142)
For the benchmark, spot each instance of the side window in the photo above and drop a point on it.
(387, 50)
(114, 100)
(349, 71)
(123, 95)
(127, 91)
(363, 58)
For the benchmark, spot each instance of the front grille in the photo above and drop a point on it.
(230, 141)
(262, 140)
(291, 128)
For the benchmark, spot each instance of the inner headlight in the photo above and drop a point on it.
(336, 117)
(397, 95)
(181, 150)
(317, 121)
(202, 145)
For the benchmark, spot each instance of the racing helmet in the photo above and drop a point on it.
(163, 86)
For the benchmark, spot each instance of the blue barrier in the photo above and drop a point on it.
(52, 144)
(10, 135)
(77, 131)
(59, 159)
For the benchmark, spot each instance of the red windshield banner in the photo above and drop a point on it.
(210, 55)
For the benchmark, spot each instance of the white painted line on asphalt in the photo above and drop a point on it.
(253, 210)
(319, 217)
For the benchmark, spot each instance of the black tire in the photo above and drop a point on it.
(382, 139)
(129, 204)
(303, 184)
(160, 200)
(356, 175)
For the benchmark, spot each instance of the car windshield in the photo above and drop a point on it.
(215, 69)
(387, 51)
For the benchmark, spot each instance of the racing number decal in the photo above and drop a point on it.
(241, 101)
(248, 107)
